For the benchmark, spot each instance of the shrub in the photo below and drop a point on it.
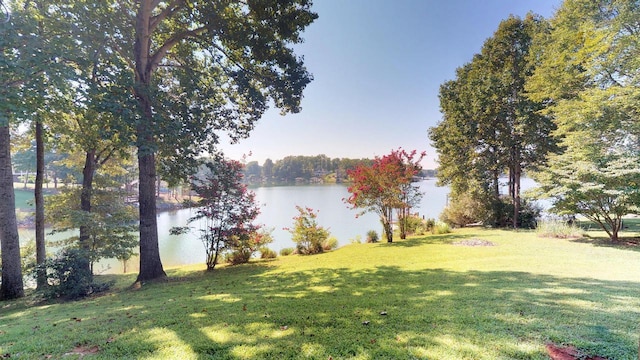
(286, 251)
(330, 244)
(558, 229)
(441, 228)
(503, 213)
(237, 257)
(307, 234)
(356, 240)
(463, 210)
(429, 225)
(372, 236)
(266, 253)
(69, 277)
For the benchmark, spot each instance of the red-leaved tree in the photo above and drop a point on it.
(385, 186)
(227, 209)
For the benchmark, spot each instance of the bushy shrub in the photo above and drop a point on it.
(441, 228)
(372, 236)
(356, 240)
(266, 253)
(239, 256)
(555, 228)
(69, 277)
(286, 251)
(429, 225)
(242, 248)
(307, 234)
(503, 213)
(463, 210)
(413, 225)
(330, 244)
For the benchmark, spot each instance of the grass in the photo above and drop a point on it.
(441, 302)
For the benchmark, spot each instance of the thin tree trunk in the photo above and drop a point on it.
(516, 192)
(12, 285)
(41, 253)
(88, 173)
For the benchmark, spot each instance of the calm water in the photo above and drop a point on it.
(278, 207)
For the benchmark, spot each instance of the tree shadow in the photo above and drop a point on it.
(322, 313)
(257, 311)
(624, 242)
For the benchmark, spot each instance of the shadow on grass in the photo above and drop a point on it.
(623, 243)
(260, 312)
(430, 240)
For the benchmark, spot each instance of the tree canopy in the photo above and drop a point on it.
(490, 127)
(588, 74)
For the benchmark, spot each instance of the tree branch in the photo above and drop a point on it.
(165, 13)
(164, 49)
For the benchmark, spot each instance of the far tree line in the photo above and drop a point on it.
(307, 169)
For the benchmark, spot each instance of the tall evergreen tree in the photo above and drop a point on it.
(489, 125)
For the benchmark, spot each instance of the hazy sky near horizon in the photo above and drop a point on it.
(378, 66)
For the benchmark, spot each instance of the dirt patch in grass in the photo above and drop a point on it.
(569, 353)
(474, 242)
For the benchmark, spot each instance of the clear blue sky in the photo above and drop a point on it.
(377, 67)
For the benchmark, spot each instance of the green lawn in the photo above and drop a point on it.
(441, 300)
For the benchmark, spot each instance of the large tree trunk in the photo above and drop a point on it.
(150, 264)
(12, 286)
(41, 253)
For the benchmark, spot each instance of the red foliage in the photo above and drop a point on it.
(382, 186)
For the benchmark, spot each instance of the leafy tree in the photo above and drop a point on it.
(227, 210)
(386, 186)
(30, 69)
(489, 124)
(588, 75)
(306, 233)
(200, 68)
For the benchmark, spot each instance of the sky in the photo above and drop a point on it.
(377, 67)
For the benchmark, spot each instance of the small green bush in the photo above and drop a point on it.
(307, 234)
(330, 244)
(464, 209)
(286, 251)
(238, 257)
(441, 228)
(413, 225)
(69, 276)
(356, 240)
(372, 236)
(266, 253)
(429, 225)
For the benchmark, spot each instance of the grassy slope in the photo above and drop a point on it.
(442, 302)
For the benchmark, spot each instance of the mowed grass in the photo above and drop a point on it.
(422, 298)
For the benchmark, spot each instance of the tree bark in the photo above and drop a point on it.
(516, 191)
(41, 253)
(150, 264)
(88, 172)
(12, 285)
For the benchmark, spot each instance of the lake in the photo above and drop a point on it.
(278, 207)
